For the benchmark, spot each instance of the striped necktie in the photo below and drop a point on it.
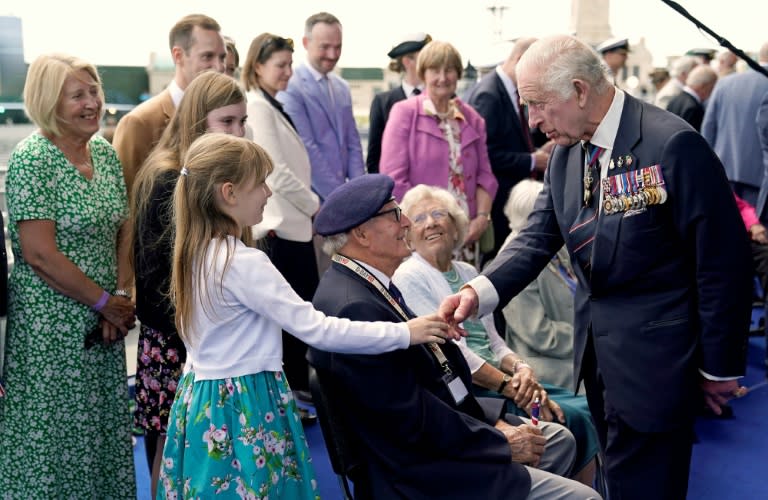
(582, 233)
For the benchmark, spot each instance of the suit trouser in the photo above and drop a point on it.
(638, 465)
(296, 262)
(548, 486)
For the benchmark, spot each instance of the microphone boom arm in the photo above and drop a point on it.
(722, 41)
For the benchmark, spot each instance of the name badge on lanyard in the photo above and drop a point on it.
(452, 381)
(456, 387)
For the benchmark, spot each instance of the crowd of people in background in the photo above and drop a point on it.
(512, 291)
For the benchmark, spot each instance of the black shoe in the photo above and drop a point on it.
(303, 396)
(307, 418)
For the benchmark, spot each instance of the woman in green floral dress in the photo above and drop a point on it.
(64, 422)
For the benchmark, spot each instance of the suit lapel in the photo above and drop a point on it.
(607, 230)
(167, 106)
(313, 89)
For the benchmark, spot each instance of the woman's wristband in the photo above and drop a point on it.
(98, 306)
(485, 215)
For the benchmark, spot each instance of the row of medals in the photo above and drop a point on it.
(651, 195)
(648, 188)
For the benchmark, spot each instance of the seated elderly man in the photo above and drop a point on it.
(421, 432)
(438, 226)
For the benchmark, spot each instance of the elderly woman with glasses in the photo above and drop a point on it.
(438, 229)
(286, 230)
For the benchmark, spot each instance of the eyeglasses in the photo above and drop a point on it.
(437, 216)
(279, 43)
(397, 211)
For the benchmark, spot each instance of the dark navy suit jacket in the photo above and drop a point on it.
(669, 288)
(507, 148)
(380, 107)
(688, 108)
(417, 442)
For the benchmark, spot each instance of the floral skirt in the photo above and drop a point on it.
(159, 362)
(238, 437)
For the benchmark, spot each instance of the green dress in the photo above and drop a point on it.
(65, 422)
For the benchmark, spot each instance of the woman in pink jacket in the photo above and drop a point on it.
(436, 139)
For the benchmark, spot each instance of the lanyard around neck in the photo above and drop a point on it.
(358, 269)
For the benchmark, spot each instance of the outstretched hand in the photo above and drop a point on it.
(431, 328)
(457, 307)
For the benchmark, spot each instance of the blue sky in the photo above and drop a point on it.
(124, 33)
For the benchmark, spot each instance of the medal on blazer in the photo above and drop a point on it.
(634, 189)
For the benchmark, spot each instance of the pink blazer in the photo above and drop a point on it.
(414, 151)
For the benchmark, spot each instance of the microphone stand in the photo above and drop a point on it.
(722, 41)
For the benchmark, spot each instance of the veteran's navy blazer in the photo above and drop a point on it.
(669, 291)
(418, 444)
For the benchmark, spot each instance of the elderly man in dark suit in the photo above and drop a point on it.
(403, 55)
(689, 104)
(420, 431)
(510, 144)
(662, 307)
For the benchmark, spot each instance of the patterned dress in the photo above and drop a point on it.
(238, 437)
(64, 423)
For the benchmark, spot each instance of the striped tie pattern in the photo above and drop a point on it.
(582, 232)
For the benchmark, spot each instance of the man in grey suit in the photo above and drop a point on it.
(662, 308)
(320, 105)
(689, 104)
(729, 127)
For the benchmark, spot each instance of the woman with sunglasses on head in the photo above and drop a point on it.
(286, 230)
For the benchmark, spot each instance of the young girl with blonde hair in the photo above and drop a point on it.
(234, 423)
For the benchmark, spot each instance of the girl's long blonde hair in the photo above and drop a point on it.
(212, 160)
(207, 92)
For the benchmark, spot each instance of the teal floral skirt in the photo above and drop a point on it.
(238, 437)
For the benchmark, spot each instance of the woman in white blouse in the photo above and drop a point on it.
(286, 231)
